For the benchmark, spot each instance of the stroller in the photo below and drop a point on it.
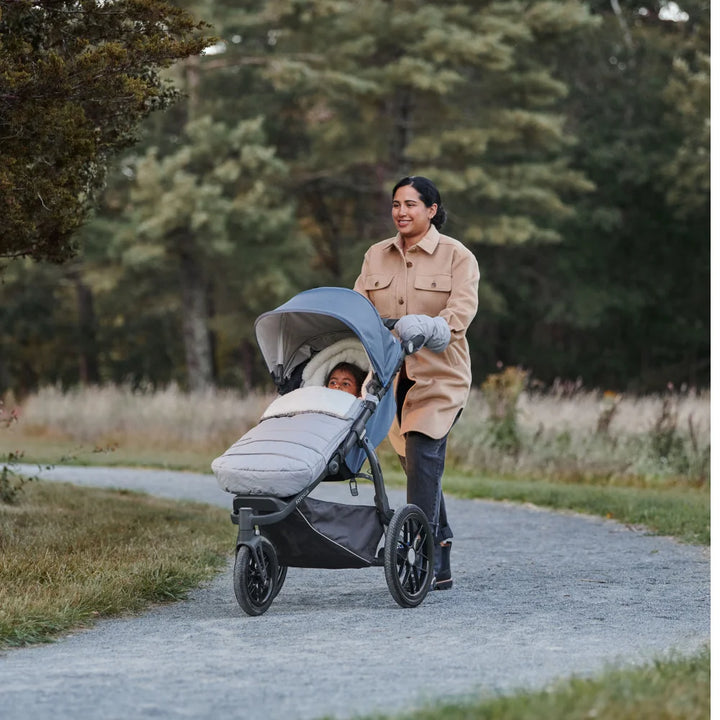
(312, 434)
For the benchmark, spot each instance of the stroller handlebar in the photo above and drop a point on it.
(410, 346)
(413, 344)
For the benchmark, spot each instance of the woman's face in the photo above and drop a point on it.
(410, 214)
(343, 380)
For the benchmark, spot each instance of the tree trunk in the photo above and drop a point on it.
(196, 336)
(247, 353)
(401, 114)
(87, 347)
(329, 252)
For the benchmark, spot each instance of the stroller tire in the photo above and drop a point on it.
(408, 556)
(281, 575)
(255, 589)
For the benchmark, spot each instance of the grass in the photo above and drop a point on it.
(41, 450)
(70, 555)
(675, 689)
(578, 435)
(587, 437)
(678, 511)
(112, 419)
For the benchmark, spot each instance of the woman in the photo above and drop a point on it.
(429, 281)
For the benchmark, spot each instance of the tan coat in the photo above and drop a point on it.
(438, 276)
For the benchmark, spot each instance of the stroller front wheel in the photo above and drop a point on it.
(409, 550)
(255, 576)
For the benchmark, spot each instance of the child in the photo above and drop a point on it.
(347, 377)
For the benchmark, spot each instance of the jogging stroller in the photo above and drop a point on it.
(312, 434)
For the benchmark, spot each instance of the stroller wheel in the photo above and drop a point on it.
(282, 574)
(255, 577)
(409, 550)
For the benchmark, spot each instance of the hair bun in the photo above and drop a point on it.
(439, 218)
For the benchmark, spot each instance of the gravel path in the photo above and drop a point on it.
(538, 596)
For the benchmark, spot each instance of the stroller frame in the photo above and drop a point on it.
(408, 553)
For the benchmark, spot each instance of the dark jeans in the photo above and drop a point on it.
(423, 464)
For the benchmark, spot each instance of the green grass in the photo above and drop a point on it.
(70, 555)
(675, 689)
(58, 451)
(683, 512)
(677, 510)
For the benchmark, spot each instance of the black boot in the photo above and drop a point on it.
(443, 576)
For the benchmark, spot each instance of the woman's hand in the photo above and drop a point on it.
(434, 330)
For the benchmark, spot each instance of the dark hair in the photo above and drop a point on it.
(428, 193)
(357, 372)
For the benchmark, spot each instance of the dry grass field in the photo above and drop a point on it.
(589, 436)
(568, 434)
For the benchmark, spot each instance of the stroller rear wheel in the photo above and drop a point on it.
(409, 550)
(255, 577)
(282, 574)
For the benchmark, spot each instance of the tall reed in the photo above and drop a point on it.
(506, 428)
(585, 434)
(146, 418)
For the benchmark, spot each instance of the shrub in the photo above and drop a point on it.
(11, 481)
(575, 434)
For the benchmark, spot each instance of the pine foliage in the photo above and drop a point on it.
(75, 80)
(570, 141)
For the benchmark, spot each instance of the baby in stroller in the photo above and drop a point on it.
(346, 377)
(311, 434)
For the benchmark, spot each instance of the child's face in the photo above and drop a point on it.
(343, 380)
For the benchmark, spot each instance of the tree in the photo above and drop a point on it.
(351, 96)
(623, 301)
(367, 92)
(213, 214)
(76, 78)
(570, 141)
(38, 337)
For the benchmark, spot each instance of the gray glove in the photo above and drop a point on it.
(435, 330)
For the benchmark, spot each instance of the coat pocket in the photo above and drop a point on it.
(432, 293)
(378, 281)
(434, 283)
(381, 291)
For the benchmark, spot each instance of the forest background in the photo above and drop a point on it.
(570, 141)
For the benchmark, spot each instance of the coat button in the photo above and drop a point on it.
(409, 263)
(377, 282)
(433, 284)
(401, 301)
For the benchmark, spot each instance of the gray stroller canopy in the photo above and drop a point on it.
(315, 319)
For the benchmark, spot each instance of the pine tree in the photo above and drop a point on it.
(75, 81)
(463, 92)
(212, 215)
(624, 300)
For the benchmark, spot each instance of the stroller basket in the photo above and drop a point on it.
(322, 534)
